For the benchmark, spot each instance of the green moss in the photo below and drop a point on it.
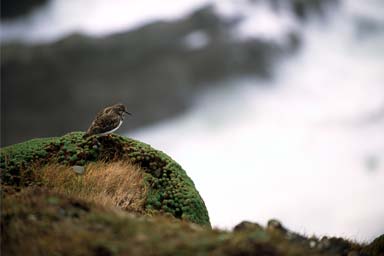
(39, 222)
(170, 188)
(18, 157)
(376, 247)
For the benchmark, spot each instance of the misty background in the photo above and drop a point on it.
(274, 108)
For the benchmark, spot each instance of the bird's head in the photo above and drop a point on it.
(120, 109)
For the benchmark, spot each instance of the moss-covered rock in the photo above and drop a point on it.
(170, 190)
(40, 222)
(376, 247)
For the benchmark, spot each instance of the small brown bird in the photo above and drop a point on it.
(107, 121)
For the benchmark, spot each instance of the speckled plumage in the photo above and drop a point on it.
(108, 120)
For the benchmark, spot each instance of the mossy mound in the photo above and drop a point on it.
(39, 222)
(376, 247)
(170, 190)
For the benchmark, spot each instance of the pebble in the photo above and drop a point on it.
(247, 225)
(78, 169)
(275, 225)
(312, 244)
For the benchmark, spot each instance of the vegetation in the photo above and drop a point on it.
(110, 195)
(117, 184)
(41, 222)
(168, 188)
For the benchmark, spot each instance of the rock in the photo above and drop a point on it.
(78, 169)
(304, 9)
(353, 253)
(275, 225)
(247, 226)
(312, 243)
(339, 246)
(14, 8)
(376, 247)
(95, 230)
(366, 27)
(150, 68)
(171, 193)
(324, 243)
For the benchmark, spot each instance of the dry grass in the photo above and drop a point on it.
(118, 183)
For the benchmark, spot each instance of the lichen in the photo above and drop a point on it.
(170, 190)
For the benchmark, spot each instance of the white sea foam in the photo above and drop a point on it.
(306, 148)
(94, 17)
(100, 17)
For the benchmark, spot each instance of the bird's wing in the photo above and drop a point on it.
(106, 110)
(103, 123)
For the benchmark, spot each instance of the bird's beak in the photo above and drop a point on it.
(128, 113)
